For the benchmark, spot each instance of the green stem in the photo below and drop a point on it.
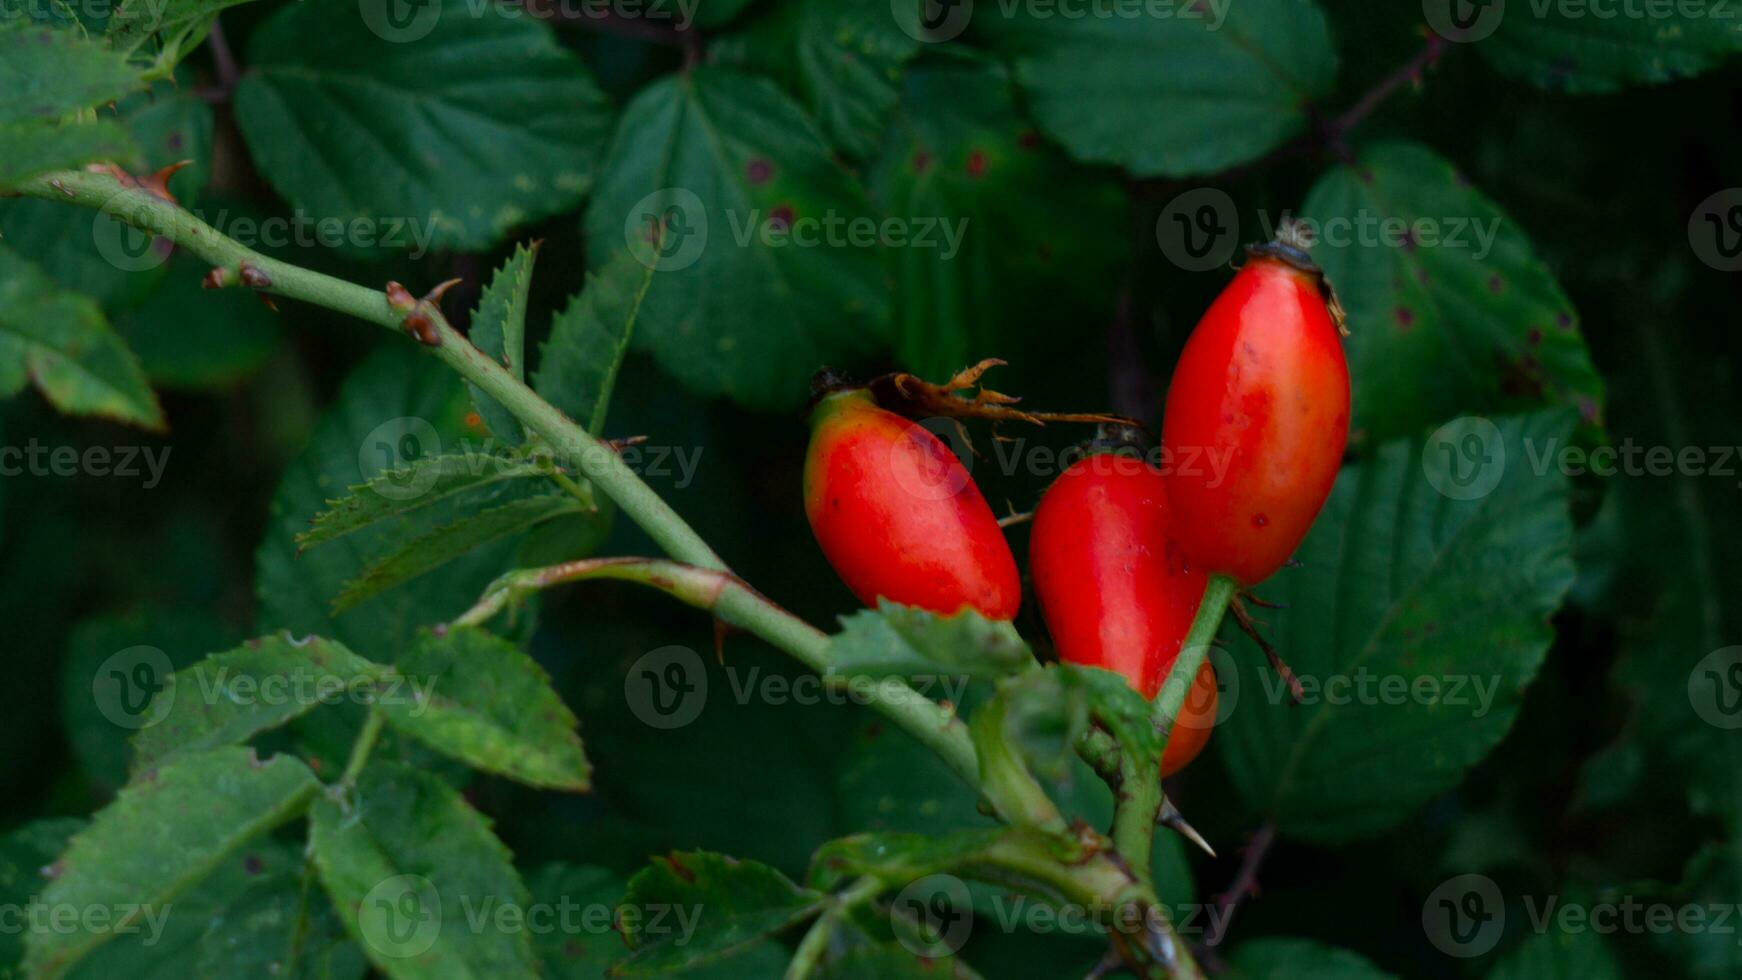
(361, 749)
(734, 601)
(809, 955)
(1218, 592)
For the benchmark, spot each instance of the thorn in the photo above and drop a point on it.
(218, 278)
(158, 183)
(1296, 692)
(618, 445)
(268, 301)
(253, 276)
(434, 296)
(721, 628)
(1171, 818)
(399, 299)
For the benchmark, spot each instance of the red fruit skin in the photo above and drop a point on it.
(1262, 386)
(899, 517)
(1115, 589)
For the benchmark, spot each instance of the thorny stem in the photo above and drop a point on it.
(699, 577)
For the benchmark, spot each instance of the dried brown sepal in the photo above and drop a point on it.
(915, 397)
(1292, 241)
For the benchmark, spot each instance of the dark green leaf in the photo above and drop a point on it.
(1579, 48)
(48, 73)
(499, 330)
(194, 812)
(992, 275)
(732, 904)
(899, 858)
(192, 338)
(420, 881)
(1559, 955)
(230, 697)
(176, 25)
(427, 481)
(578, 365)
(25, 854)
(1708, 889)
(424, 554)
(1173, 95)
(36, 147)
(726, 164)
(465, 122)
(61, 342)
(1420, 616)
(491, 706)
(901, 641)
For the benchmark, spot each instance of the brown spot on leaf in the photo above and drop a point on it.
(759, 170)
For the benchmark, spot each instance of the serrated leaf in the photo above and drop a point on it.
(724, 162)
(194, 812)
(734, 904)
(843, 58)
(499, 330)
(902, 641)
(991, 274)
(1574, 48)
(60, 342)
(409, 868)
(49, 73)
(492, 707)
(450, 541)
(1299, 959)
(230, 697)
(1174, 95)
(1559, 955)
(427, 481)
(481, 124)
(1472, 321)
(385, 417)
(34, 147)
(578, 365)
(1404, 586)
(898, 858)
(177, 25)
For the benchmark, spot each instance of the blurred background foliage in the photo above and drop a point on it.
(1061, 150)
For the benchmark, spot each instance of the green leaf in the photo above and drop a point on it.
(1572, 48)
(61, 342)
(1299, 959)
(1173, 95)
(499, 330)
(1709, 886)
(177, 26)
(1559, 955)
(711, 14)
(191, 338)
(194, 812)
(427, 481)
(242, 920)
(483, 123)
(491, 706)
(990, 276)
(48, 73)
(410, 867)
(398, 406)
(899, 858)
(734, 903)
(444, 544)
(1469, 320)
(1420, 616)
(578, 365)
(724, 162)
(25, 854)
(34, 147)
(902, 641)
(844, 59)
(112, 664)
(889, 961)
(230, 697)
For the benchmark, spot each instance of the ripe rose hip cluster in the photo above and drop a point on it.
(1119, 555)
